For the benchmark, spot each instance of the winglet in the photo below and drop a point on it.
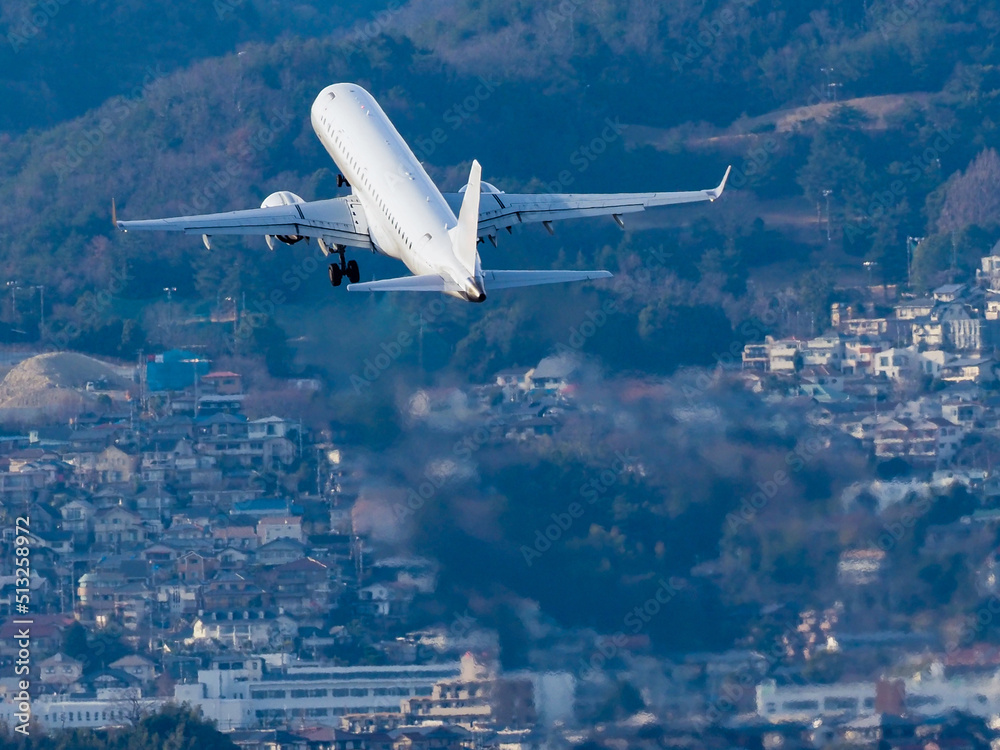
(713, 194)
(466, 235)
(114, 214)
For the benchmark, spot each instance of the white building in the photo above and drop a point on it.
(239, 698)
(110, 707)
(935, 696)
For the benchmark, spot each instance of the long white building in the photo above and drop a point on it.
(934, 696)
(240, 697)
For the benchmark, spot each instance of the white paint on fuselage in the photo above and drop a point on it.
(407, 216)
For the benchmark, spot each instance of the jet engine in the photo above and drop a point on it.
(282, 198)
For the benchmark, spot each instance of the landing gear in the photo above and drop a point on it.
(353, 272)
(349, 269)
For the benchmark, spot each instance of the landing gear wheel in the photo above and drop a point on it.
(336, 275)
(352, 272)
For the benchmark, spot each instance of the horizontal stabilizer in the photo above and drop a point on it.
(511, 279)
(427, 283)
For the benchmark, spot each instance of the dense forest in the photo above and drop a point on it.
(219, 120)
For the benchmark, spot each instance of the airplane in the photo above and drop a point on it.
(395, 209)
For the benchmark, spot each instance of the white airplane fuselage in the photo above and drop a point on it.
(408, 217)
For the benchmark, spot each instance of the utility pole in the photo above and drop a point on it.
(827, 194)
(911, 245)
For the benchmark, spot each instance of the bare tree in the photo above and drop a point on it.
(973, 196)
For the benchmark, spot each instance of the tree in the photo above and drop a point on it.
(972, 198)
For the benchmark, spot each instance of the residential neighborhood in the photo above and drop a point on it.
(234, 560)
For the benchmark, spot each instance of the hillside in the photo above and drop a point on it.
(216, 130)
(52, 387)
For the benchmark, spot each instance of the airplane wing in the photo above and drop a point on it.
(503, 210)
(339, 221)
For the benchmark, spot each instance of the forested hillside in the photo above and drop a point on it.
(220, 121)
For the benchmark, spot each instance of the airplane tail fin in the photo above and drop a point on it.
(465, 237)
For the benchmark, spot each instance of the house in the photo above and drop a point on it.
(194, 567)
(245, 629)
(236, 537)
(78, 518)
(229, 591)
(824, 351)
(386, 599)
(161, 556)
(915, 308)
(47, 634)
(234, 559)
(137, 667)
(60, 670)
(300, 587)
(222, 383)
(155, 504)
(116, 466)
(279, 527)
(972, 369)
(96, 594)
(949, 292)
(860, 567)
(221, 427)
(177, 597)
(918, 439)
(280, 551)
(132, 603)
(60, 542)
(270, 427)
(784, 355)
(756, 357)
(896, 363)
(988, 274)
(118, 527)
(553, 373)
(23, 486)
